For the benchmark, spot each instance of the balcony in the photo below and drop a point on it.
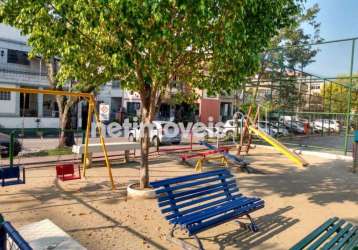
(22, 76)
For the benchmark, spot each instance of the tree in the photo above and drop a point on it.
(210, 45)
(335, 94)
(64, 103)
(295, 51)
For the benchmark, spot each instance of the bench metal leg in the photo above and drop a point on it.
(172, 231)
(252, 226)
(182, 243)
(200, 245)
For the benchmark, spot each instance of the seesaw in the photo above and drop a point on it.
(206, 156)
(230, 157)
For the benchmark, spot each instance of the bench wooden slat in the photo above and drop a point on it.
(201, 192)
(197, 209)
(353, 242)
(193, 191)
(345, 239)
(312, 236)
(339, 235)
(326, 235)
(199, 200)
(235, 204)
(157, 184)
(197, 228)
(168, 188)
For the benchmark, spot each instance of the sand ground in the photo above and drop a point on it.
(296, 201)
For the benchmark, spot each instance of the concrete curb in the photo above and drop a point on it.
(137, 194)
(325, 155)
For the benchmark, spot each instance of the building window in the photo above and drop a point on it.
(5, 96)
(116, 84)
(132, 108)
(18, 57)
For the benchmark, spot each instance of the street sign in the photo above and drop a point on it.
(103, 112)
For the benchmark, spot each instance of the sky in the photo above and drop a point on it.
(338, 20)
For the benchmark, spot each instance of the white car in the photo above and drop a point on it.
(157, 134)
(230, 129)
(327, 125)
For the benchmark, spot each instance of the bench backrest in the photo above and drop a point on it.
(187, 194)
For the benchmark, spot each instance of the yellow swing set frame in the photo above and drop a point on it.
(91, 110)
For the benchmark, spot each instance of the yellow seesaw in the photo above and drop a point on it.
(200, 161)
(280, 147)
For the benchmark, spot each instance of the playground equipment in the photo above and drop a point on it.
(230, 157)
(91, 111)
(11, 175)
(66, 171)
(279, 147)
(205, 156)
(199, 202)
(252, 127)
(246, 133)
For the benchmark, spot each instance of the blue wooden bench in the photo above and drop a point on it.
(333, 234)
(198, 202)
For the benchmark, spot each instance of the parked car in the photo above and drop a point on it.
(281, 129)
(157, 135)
(327, 125)
(5, 145)
(232, 127)
(229, 129)
(267, 128)
(294, 126)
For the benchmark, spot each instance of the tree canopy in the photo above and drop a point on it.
(335, 94)
(207, 44)
(211, 44)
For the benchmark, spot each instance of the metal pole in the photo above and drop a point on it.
(349, 100)
(324, 96)
(103, 144)
(88, 130)
(11, 148)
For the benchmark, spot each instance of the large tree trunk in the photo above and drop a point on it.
(149, 98)
(64, 103)
(66, 136)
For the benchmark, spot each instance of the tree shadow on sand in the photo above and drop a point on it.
(269, 225)
(331, 182)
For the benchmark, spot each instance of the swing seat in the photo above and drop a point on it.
(66, 172)
(12, 175)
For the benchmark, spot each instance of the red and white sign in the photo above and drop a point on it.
(103, 112)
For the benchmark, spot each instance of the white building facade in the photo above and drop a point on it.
(37, 110)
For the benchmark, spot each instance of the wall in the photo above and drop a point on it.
(30, 122)
(9, 107)
(209, 107)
